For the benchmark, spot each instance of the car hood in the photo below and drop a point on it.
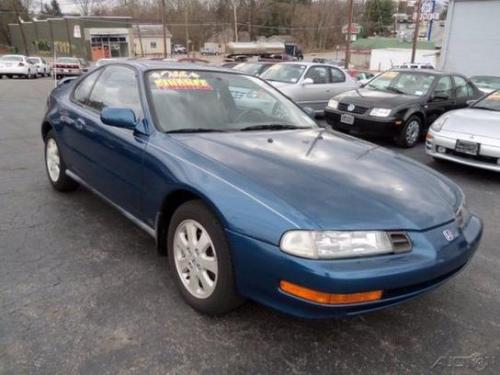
(472, 121)
(334, 180)
(374, 98)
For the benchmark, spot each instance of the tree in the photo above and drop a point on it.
(378, 16)
(51, 10)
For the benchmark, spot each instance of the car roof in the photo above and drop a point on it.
(145, 65)
(427, 71)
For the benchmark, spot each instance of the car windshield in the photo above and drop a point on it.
(408, 83)
(12, 58)
(252, 69)
(490, 102)
(68, 60)
(289, 73)
(188, 100)
(487, 82)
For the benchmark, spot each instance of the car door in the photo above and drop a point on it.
(111, 158)
(441, 99)
(316, 93)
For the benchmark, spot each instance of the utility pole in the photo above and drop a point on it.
(235, 14)
(21, 28)
(348, 42)
(163, 22)
(186, 20)
(417, 26)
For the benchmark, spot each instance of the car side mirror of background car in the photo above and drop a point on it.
(471, 102)
(307, 81)
(119, 117)
(439, 96)
(309, 111)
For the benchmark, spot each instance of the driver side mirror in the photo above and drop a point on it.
(307, 81)
(119, 117)
(437, 96)
(470, 103)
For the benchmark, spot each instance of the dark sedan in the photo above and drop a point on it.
(249, 198)
(400, 103)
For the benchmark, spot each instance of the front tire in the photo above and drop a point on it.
(200, 259)
(411, 132)
(55, 166)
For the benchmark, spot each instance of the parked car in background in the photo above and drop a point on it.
(322, 60)
(42, 67)
(400, 103)
(362, 76)
(486, 84)
(179, 49)
(253, 68)
(69, 67)
(309, 84)
(18, 66)
(250, 198)
(469, 136)
(208, 51)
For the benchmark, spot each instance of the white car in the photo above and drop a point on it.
(469, 136)
(42, 67)
(17, 65)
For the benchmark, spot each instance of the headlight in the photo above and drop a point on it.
(335, 244)
(380, 112)
(439, 123)
(332, 103)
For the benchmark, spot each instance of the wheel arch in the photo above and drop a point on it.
(46, 127)
(415, 112)
(173, 200)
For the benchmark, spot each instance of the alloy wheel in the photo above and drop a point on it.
(412, 132)
(53, 160)
(195, 258)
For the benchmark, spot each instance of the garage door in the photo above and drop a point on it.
(473, 45)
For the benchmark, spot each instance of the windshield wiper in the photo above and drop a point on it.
(273, 127)
(395, 90)
(196, 130)
(486, 108)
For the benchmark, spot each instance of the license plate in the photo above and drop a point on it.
(466, 147)
(347, 119)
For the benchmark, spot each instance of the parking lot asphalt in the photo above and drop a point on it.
(82, 289)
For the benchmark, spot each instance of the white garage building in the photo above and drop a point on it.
(472, 37)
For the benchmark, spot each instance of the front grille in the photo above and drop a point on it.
(357, 108)
(400, 242)
(484, 159)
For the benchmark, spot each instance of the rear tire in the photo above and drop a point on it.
(55, 166)
(200, 260)
(410, 134)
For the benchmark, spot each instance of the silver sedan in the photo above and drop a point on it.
(469, 136)
(309, 84)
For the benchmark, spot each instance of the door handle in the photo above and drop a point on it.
(80, 123)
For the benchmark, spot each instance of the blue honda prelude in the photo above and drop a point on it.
(249, 198)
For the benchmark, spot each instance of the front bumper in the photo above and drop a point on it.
(364, 123)
(14, 70)
(442, 144)
(260, 267)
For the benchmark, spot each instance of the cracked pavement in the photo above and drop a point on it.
(82, 290)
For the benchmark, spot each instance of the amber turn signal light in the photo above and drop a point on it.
(329, 298)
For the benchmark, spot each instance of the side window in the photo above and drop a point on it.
(444, 87)
(116, 87)
(461, 88)
(319, 74)
(337, 75)
(82, 91)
